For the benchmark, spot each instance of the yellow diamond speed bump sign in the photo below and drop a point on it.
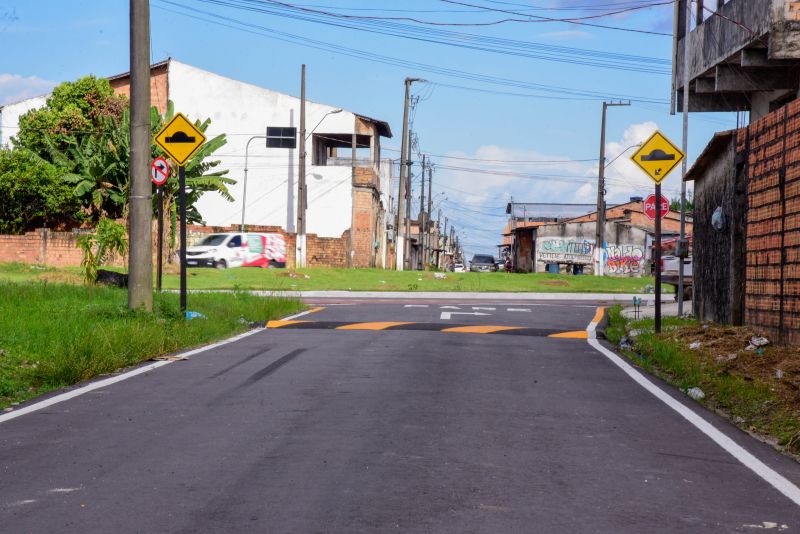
(180, 139)
(657, 157)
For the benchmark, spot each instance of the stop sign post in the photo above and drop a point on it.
(650, 207)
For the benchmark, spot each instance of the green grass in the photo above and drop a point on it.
(748, 402)
(317, 279)
(381, 280)
(54, 335)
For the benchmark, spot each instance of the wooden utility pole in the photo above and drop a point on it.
(140, 237)
(300, 244)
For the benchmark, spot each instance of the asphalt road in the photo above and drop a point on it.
(322, 429)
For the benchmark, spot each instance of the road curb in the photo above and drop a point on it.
(452, 295)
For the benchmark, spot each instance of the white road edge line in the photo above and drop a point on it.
(772, 477)
(56, 399)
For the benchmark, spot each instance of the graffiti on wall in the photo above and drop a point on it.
(620, 259)
(556, 250)
(624, 259)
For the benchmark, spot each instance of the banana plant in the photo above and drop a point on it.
(97, 166)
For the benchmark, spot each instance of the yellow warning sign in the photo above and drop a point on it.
(657, 157)
(180, 139)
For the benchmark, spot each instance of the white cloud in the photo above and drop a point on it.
(476, 200)
(624, 178)
(14, 87)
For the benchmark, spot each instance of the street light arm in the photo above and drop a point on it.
(332, 112)
(607, 165)
(244, 184)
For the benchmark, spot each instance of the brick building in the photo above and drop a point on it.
(743, 55)
(747, 196)
(555, 237)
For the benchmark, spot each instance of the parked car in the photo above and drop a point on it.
(670, 267)
(482, 263)
(238, 250)
(459, 268)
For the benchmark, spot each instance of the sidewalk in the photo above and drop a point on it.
(648, 310)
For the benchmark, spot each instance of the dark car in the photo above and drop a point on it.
(482, 264)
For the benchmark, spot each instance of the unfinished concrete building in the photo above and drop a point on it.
(743, 55)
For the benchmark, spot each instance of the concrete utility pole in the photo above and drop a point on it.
(599, 240)
(428, 216)
(683, 246)
(409, 192)
(300, 238)
(422, 215)
(140, 237)
(400, 244)
(438, 236)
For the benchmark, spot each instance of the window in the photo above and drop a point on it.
(337, 149)
(214, 240)
(236, 241)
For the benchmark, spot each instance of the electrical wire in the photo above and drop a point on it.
(264, 31)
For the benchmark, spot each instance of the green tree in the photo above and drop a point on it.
(74, 109)
(32, 195)
(675, 203)
(98, 167)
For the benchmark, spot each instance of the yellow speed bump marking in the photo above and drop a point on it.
(315, 310)
(578, 334)
(280, 324)
(370, 326)
(481, 329)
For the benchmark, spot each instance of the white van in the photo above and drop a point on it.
(238, 250)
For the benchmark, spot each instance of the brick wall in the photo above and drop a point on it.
(59, 249)
(44, 247)
(320, 251)
(771, 148)
(366, 204)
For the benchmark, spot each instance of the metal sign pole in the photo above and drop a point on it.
(182, 207)
(160, 237)
(657, 259)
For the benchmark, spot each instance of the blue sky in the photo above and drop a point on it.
(545, 108)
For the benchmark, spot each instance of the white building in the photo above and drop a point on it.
(346, 180)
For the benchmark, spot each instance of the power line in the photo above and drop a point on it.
(388, 60)
(567, 21)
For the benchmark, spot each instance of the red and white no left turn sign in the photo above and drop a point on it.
(159, 171)
(650, 207)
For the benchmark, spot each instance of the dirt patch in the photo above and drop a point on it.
(726, 348)
(554, 283)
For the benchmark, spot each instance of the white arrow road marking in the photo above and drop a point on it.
(415, 306)
(446, 315)
(484, 309)
(518, 309)
(449, 308)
